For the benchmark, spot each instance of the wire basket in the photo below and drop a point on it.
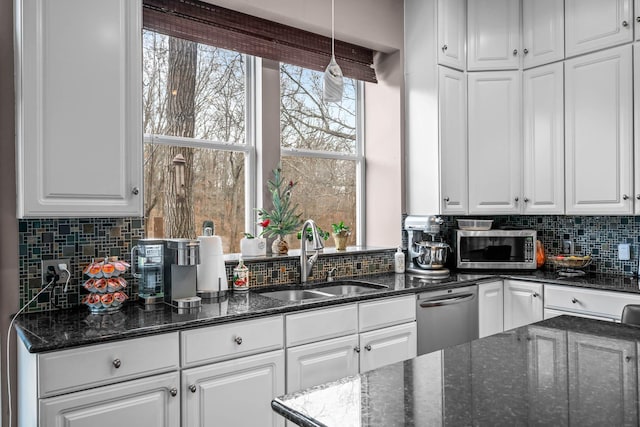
(571, 265)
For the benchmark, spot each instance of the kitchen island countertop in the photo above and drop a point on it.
(561, 371)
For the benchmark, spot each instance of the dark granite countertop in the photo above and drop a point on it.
(561, 371)
(61, 329)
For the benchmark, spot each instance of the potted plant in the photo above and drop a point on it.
(309, 236)
(340, 233)
(282, 219)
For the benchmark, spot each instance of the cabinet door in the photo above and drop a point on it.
(453, 141)
(636, 19)
(388, 345)
(543, 32)
(452, 34)
(636, 119)
(493, 35)
(596, 24)
(147, 402)
(494, 142)
(317, 363)
(233, 393)
(522, 303)
(547, 376)
(597, 363)
(543, 160)
(490, 308)
(598, 133)
(79, 123)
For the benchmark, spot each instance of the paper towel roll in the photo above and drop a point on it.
(212, 276)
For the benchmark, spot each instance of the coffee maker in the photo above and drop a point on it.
(147, 265)
(426, 254)
(181, 259)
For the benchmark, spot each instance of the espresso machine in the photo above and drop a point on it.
(147, 265)
(427, 253)
(181, 259)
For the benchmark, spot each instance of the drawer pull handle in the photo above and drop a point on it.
(573, 300)
(367, 347)
(117, 363)
(193, 388)
(356, 349)
(173, 392)
(238, 340)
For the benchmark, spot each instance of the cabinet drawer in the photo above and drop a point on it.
(316, 325)
(79, 368)
(386, 312)
(587, 301)
(230, 340)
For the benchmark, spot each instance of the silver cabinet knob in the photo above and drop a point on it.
(238, 340)
(444, 47)
(135, 191)
(117, 363)
(638, 19)
(526, 200)
(356, 349)
(173, 392)
(625, 24)
(516, 199)
(193, 388)
(367, 347)
(526, 51)
(628, 358)
(573, 300)
(638, 196)
(515, 52)
(446, 199)
(625, 197)
(535, 295)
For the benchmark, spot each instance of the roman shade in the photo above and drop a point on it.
(217, 26)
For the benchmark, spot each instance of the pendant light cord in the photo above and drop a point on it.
(333, 26)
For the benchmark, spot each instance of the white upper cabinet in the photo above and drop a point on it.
(597, 24)
(543, 129)
(542, 32)
(636, 118)
(494, 142)
(598, 133)
(493, 38)
(453, 141)
(636, 19)
(452, 34)
(79, 124)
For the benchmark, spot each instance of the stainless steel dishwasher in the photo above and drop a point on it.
(447, 317)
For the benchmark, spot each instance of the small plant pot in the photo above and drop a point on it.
(279, 246)
(341, 240)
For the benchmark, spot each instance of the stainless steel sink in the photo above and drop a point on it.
(324, 290)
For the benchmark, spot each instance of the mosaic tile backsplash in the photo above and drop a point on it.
(81, 240)
(595, 235)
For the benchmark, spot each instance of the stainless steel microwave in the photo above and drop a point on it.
(496, 249)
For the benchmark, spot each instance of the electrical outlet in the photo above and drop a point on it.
(45, 264)
(624, 251)
(567, 247)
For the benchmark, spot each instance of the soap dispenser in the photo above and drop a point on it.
(399, 261)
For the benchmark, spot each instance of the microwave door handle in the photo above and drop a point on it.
(447, 301)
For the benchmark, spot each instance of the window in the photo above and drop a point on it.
(321, 148)
(195, 105)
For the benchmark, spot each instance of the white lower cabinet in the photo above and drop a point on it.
(522, 302)
(590, 303)
(388, 345)
(490, 308)
(234, 393)
(147, 402)
(320, 362)
(597, 363)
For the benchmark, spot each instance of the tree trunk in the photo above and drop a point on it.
(181, 82)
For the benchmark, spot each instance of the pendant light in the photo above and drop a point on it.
(332, 84)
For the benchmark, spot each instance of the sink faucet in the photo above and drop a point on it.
(307, 264)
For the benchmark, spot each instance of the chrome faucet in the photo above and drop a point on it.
(307, 264)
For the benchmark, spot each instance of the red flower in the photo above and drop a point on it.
(290, 184)
(264, 223)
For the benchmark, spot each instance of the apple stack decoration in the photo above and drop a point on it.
(105, 284)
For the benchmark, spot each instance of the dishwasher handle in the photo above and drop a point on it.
(447, 301)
